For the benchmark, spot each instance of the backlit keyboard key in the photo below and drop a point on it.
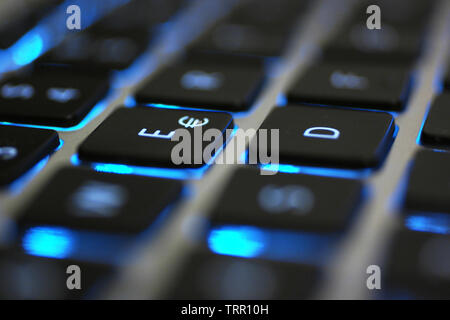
(21, 148)
(285, 201)
(362, 86)
(330, 137)
(208, 81)
(420, 263)
(84, 199)
(142, 136)
(50, 96)
(436, 131)
(429, 183)
(209, 276)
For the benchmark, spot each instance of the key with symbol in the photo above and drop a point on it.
(207, 81)
(142, 136)
(329, 137)
(53, 96)
(284, 201)
(21, 148)
(370, 87)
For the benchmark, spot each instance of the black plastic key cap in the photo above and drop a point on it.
(436, 131)
(284, 201)
(447, 79)
(330, 137)
(32, 277)
(372, 87)
(50, 96)
(85, 199)
(21, 148)
(429, 183)
(209, 276)
(209, 82)
(142, 136)
(419, 263)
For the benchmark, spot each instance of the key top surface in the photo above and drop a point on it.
(226, 84)
(284, 201)
(209, 276)
(429, 183)
(447, 79)
(436, 131)
(31, 277)
(420, 262)
(372, 87)
(86, 199)
(142, 136)
(21, 148)
(50, 96)
(330, 137)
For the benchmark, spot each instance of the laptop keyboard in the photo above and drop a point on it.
(87, 178)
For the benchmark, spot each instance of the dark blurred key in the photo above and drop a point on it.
(372, 87)
(209, 276)
(50, 96)
(86, 199)
(31, 277)
(330, 137)
(447, 79)
(207, 81)
(419, 263)
(21, 148)
(436, 131)
(142, 136)
(285, 201)
(429, 183)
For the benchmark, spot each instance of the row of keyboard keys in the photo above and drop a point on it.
(285, 201)
(80, 198)
(21, 148)
(353, 85)
(206, 81)
(53, 96)
(329, 137)
(436, 130)
(210, 276)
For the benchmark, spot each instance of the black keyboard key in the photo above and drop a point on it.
(142, 136)
(85, 199)
(436, 131)
(447, 79)
(50, 96)
(21, 148)
(208, 81)
(284, 201)
(330, 137)
(32, 277)
(429, 183)
(419, 263)
(209, 276)
(372, 87)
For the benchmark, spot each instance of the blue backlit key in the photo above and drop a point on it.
(51, 96)
(85, 199)
(285, 201)
(436, 131)
(21, 148)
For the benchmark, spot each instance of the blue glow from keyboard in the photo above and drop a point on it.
(435, 223)
(28, 48)
(318, 171)
(241, 241)
(51, 242)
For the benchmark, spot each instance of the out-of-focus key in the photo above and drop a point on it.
(436, 131)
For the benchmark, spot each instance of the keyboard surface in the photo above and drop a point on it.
(87, 176)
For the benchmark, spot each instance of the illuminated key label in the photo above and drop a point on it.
(20, 91)
(201, 80)
(157, 134)
(342, 80)
(62, 95)
(189, 122)
(8, 153)
(322, 133)
(276, 199)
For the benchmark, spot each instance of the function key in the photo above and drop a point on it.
(143, 136)
(429, 183)
(207, 81)
(419, 264)
(83, 199)
(330, 137)
(371, 87)
(284, 201)
(209, 276)
(436, 130)
(50, 96)
(21, 148)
